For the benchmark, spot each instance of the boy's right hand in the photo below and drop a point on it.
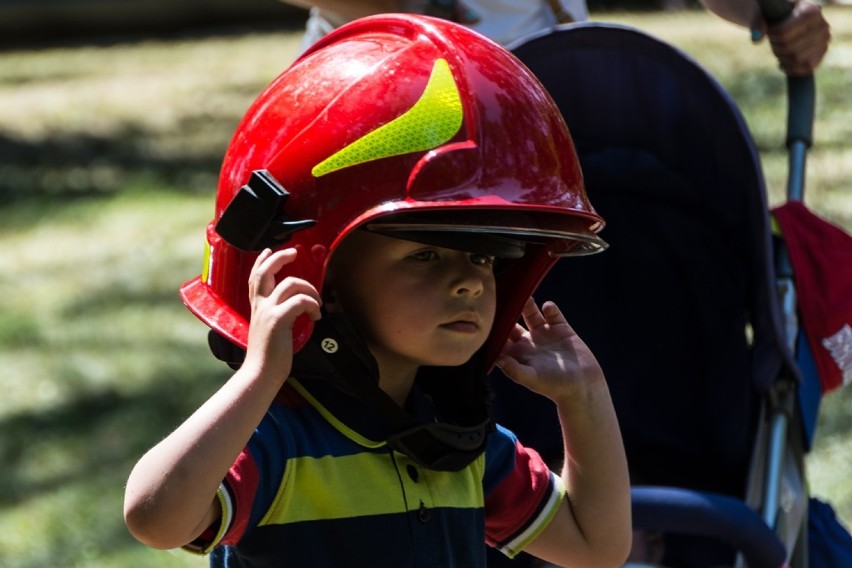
(274, 309)
(171, 494)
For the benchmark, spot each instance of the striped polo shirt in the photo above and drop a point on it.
(317, 485)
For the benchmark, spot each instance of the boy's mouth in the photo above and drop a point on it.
(461, 326)
(464, 324)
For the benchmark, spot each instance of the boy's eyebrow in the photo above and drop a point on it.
(433, 120)
(488, 244)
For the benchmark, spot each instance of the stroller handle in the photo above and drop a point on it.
(801, 100)
(775, 11)
(701, 513)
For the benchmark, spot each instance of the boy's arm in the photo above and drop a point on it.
(744, 13)
(171, 492)
(593, 525)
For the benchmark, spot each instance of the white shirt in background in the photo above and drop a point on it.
(504, 21)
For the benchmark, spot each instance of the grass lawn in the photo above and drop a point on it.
(108, 162)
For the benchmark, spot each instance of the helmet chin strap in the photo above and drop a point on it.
(337, 354)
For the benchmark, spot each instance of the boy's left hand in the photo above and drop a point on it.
(547, 356)
(592, 526)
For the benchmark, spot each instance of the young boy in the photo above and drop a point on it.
(423, 182)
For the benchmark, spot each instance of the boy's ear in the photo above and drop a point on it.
(331, 302)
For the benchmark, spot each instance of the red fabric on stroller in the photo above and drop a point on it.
(821, 256)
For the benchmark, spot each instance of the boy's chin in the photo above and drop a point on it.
(450, 360)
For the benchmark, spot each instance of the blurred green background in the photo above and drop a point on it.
(109, 151)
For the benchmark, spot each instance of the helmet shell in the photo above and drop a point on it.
(408, 118)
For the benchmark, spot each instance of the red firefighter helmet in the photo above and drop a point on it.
(399, 123)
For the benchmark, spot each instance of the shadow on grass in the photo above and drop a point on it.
(108, 300)
(64, 469)
(96, 431)
(74, 24)
(74, 166)
(122, 378)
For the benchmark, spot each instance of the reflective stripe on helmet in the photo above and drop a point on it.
(433, 120)
(208, 259)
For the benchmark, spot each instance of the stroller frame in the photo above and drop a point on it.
(611, 82)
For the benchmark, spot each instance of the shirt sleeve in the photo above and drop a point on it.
(522, 495)
(250, 485)
(235, 496)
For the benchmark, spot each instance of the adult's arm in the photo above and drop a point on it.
(799, 42)
(351, 9)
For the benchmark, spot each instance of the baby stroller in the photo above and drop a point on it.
(683, 310)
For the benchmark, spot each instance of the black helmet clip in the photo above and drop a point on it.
(254, 220)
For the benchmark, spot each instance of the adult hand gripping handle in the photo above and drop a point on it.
(801, 101)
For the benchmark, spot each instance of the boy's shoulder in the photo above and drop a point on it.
(289, 397)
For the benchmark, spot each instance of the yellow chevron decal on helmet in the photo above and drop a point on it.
(208, 256)
(433, 120)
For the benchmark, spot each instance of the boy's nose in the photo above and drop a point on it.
(472, 289)
(470, 280)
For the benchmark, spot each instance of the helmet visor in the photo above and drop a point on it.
(499, 233)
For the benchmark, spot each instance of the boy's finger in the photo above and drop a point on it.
(300, 304)
(533, 317)
(256, 276)
(509, 365)
(264, 254)
(516, 333)
(290, 287)
(552, 314)
(267, 265)
(275, 261)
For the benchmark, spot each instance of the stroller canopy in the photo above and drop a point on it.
(680, 310)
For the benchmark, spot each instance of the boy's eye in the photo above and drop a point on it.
(425, 255)
(428, 255)
(483, 259)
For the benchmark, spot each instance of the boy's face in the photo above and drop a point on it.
(414, 304)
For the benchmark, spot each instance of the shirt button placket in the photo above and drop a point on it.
(412, 473)
(423, 514)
